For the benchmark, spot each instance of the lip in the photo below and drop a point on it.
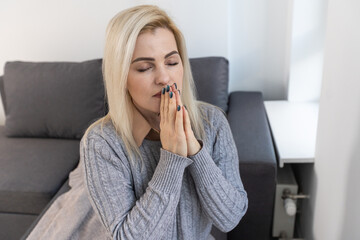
(158, 94)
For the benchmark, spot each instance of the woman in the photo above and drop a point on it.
(151, 168)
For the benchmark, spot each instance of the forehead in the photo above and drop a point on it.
(155, 43)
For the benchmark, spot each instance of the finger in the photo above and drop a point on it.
(172, 107)
(187, 124)
(175, 91)
(179, 123)
(166, 102)
(162, 98)
(178, 98)
(161, 101)
(174, 87)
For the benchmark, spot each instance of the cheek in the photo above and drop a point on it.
(180, 76)
(133, 85)
(139, 88)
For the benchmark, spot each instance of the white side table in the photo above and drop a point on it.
(294, 127)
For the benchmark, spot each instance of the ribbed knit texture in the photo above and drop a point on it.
(169, 196)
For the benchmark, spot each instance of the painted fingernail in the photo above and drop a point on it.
(175, 85)
(179, 91)
(167, 88)
(178, 108)
(185, 107)
(163, 91)
(171, 94)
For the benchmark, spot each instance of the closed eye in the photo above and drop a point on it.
(143, 69)
(173, 64)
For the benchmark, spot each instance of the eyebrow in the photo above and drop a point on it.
(152, 59)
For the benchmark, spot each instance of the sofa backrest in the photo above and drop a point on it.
(2, 93)
(211, 77)
(48, 99)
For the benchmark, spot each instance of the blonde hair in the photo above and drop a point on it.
(121, 35)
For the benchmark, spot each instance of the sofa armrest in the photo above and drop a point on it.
(2, 93)
(250, 128)
(249, 125)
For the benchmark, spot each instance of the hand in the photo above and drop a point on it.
(193, 145)
(172, 134)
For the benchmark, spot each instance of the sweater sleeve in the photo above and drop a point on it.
(219, 185)
(110, 187)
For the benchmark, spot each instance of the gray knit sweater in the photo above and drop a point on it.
(170, 196)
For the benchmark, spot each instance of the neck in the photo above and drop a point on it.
(153, 135)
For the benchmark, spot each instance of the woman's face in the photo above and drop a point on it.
(155, 64)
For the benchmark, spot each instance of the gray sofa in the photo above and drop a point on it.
(48, 106)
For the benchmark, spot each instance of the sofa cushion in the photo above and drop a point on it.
(52, 99)
(32, 170)
(211, 76)
(13, 226)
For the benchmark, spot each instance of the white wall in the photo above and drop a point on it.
(259, 46)
(42, 30)
(252, 34)
(337, 209)
(306, 51)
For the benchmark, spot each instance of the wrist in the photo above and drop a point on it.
(197, 147)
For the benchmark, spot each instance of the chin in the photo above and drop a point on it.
(153, 109)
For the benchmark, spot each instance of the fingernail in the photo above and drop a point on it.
(175, 85)
(163, 91)
(179, 91)
(171, 94)
(178, 108)
(167, 88)
(185, 107)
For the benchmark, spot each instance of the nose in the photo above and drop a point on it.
(162, 76)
